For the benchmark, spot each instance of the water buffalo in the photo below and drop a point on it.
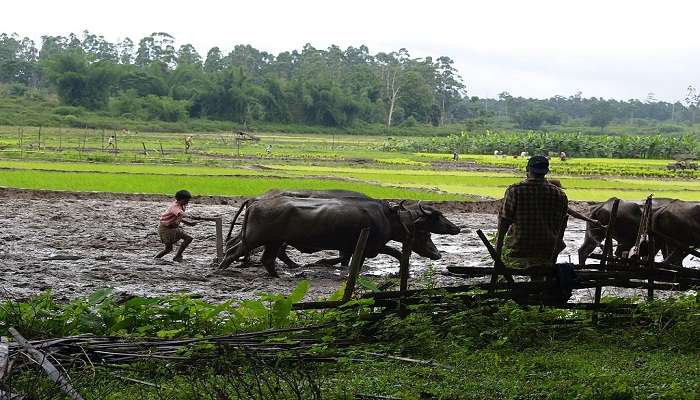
(422, 242)
(629, 215)
(313, 224)
(680, 222)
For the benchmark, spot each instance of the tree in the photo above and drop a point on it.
(692, 99)
(125, 48)
(530, 118)
(450, 88)
(17, 59)
(187, 55)
(601, 114)
(79, 83)
(390, 68)
(214, 62)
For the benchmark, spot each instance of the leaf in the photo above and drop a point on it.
(171, 333)
(338, 294)
(99, 295)
(367, 284)
(252, 308)
(280, 311)
(300, 291)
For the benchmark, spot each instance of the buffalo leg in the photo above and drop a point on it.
(328, 261)
(676, 256)
(390, 251)
(268, 258)
(232, 255)
(593, 239)
(284, 257)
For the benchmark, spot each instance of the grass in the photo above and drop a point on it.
(560, 370)
(501, 350)
(200, 185)
(394, 182)
(304, 161)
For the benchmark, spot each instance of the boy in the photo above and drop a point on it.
(169, 229)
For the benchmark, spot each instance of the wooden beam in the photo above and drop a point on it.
(500, 268)
(358, 257)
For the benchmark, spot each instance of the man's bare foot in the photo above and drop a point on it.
(177, 259)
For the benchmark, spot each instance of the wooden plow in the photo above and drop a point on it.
(547, 285)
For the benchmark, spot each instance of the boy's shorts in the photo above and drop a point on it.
(170, 235)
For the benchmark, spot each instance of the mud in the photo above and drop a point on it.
(73, 244)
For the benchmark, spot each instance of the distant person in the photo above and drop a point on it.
(110, 143)
(533, 214)
(268, 149)
(188, 143)
(169, 228)
(455, 155)
(562, 156)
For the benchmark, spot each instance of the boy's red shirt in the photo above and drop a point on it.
(173, 215)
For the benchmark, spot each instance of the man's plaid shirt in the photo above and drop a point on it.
(537, 210)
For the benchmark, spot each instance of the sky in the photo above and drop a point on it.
(539, 48)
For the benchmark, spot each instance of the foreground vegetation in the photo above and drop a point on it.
(491, 350)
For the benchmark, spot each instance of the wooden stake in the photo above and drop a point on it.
(358, 257)
(40, 358)
(404, 265)
(607, 253)
(219, 240)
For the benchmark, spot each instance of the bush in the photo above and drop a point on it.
(410, 122)
(68, 110)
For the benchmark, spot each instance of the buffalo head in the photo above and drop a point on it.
(423, 246)
(426, 218)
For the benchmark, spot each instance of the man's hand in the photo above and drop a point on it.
(503, 226)
(189, 223)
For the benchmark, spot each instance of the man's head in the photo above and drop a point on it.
(537, 167)
(183, 196)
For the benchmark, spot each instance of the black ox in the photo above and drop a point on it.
(675, 227)
(332, 220)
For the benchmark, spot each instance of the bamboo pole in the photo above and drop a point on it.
(358, 257)
(40, 358)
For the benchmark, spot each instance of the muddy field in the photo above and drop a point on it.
(74, 244)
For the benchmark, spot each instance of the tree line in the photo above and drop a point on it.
(154, 79)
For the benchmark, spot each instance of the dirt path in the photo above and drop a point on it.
(74, 244)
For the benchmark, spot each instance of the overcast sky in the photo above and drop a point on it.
(613, 49)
